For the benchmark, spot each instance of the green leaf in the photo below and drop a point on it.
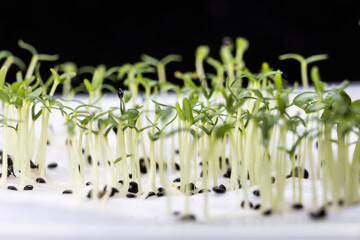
(171, 58)
(278, 83)
(180, 112)
(27, 46)
(4, 97)
(120, 158)
(35, 93)
(55, 75)
(202, 52)
(309, 102)
(292, 56)
(315, 76)
(241, 46)
(3, 72)
(188, 110)
(127, 96)
(316, 58)
(88, 86)
(149, 60)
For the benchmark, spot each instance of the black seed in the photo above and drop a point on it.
(100, 194)
(131, 195)
(219, 189)
(320, 214)
(256, 193)
(115, 129)
(67, 192)
(177, 180)
(113, 191)
(150, 195)
(267, 212)
(164, 166)
(273, 180)
(257, 207)
(160, 194)
(341, 202)
(130, 175)
(160, 189)
(188, 218)
(177, 167)
(133, 187)
(177, 151)
(88, 183)
(299, 172)
(121, 181)
(89, 158)
(176, 213)
(33, 165)
(204, 190)
(40, 180)
(243, 204)
(52, 165)
(228, 173)
(317, 144)
(143, 169)
(12, 188)
(222, 186)
(190, 186)
(83, 150)
(9, 159)
(297, 206)
(248, 176)
(48, 142)
(120, 93)
(28, 187)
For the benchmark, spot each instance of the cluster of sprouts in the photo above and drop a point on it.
(248, 127)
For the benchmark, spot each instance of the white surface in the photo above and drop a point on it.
(45, 212)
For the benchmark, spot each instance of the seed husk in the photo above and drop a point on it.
(150, 195)
(243, 204)
(130, 195)
(257, 207)
(228, 173)
(188, 218)
(12, 188)
(33, 165)
(267, 212)
(204, 190)
(40, 180)
(297, 206)
(67, 192)
(28, 187)
(319, 214)
(52, 165)
(88, 183)
(298, 172)
(256, 193)
(219, 189)
(177, 167)
(176, 180)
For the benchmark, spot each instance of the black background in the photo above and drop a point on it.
(90, 33)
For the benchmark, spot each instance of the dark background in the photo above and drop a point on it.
(91, 33)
